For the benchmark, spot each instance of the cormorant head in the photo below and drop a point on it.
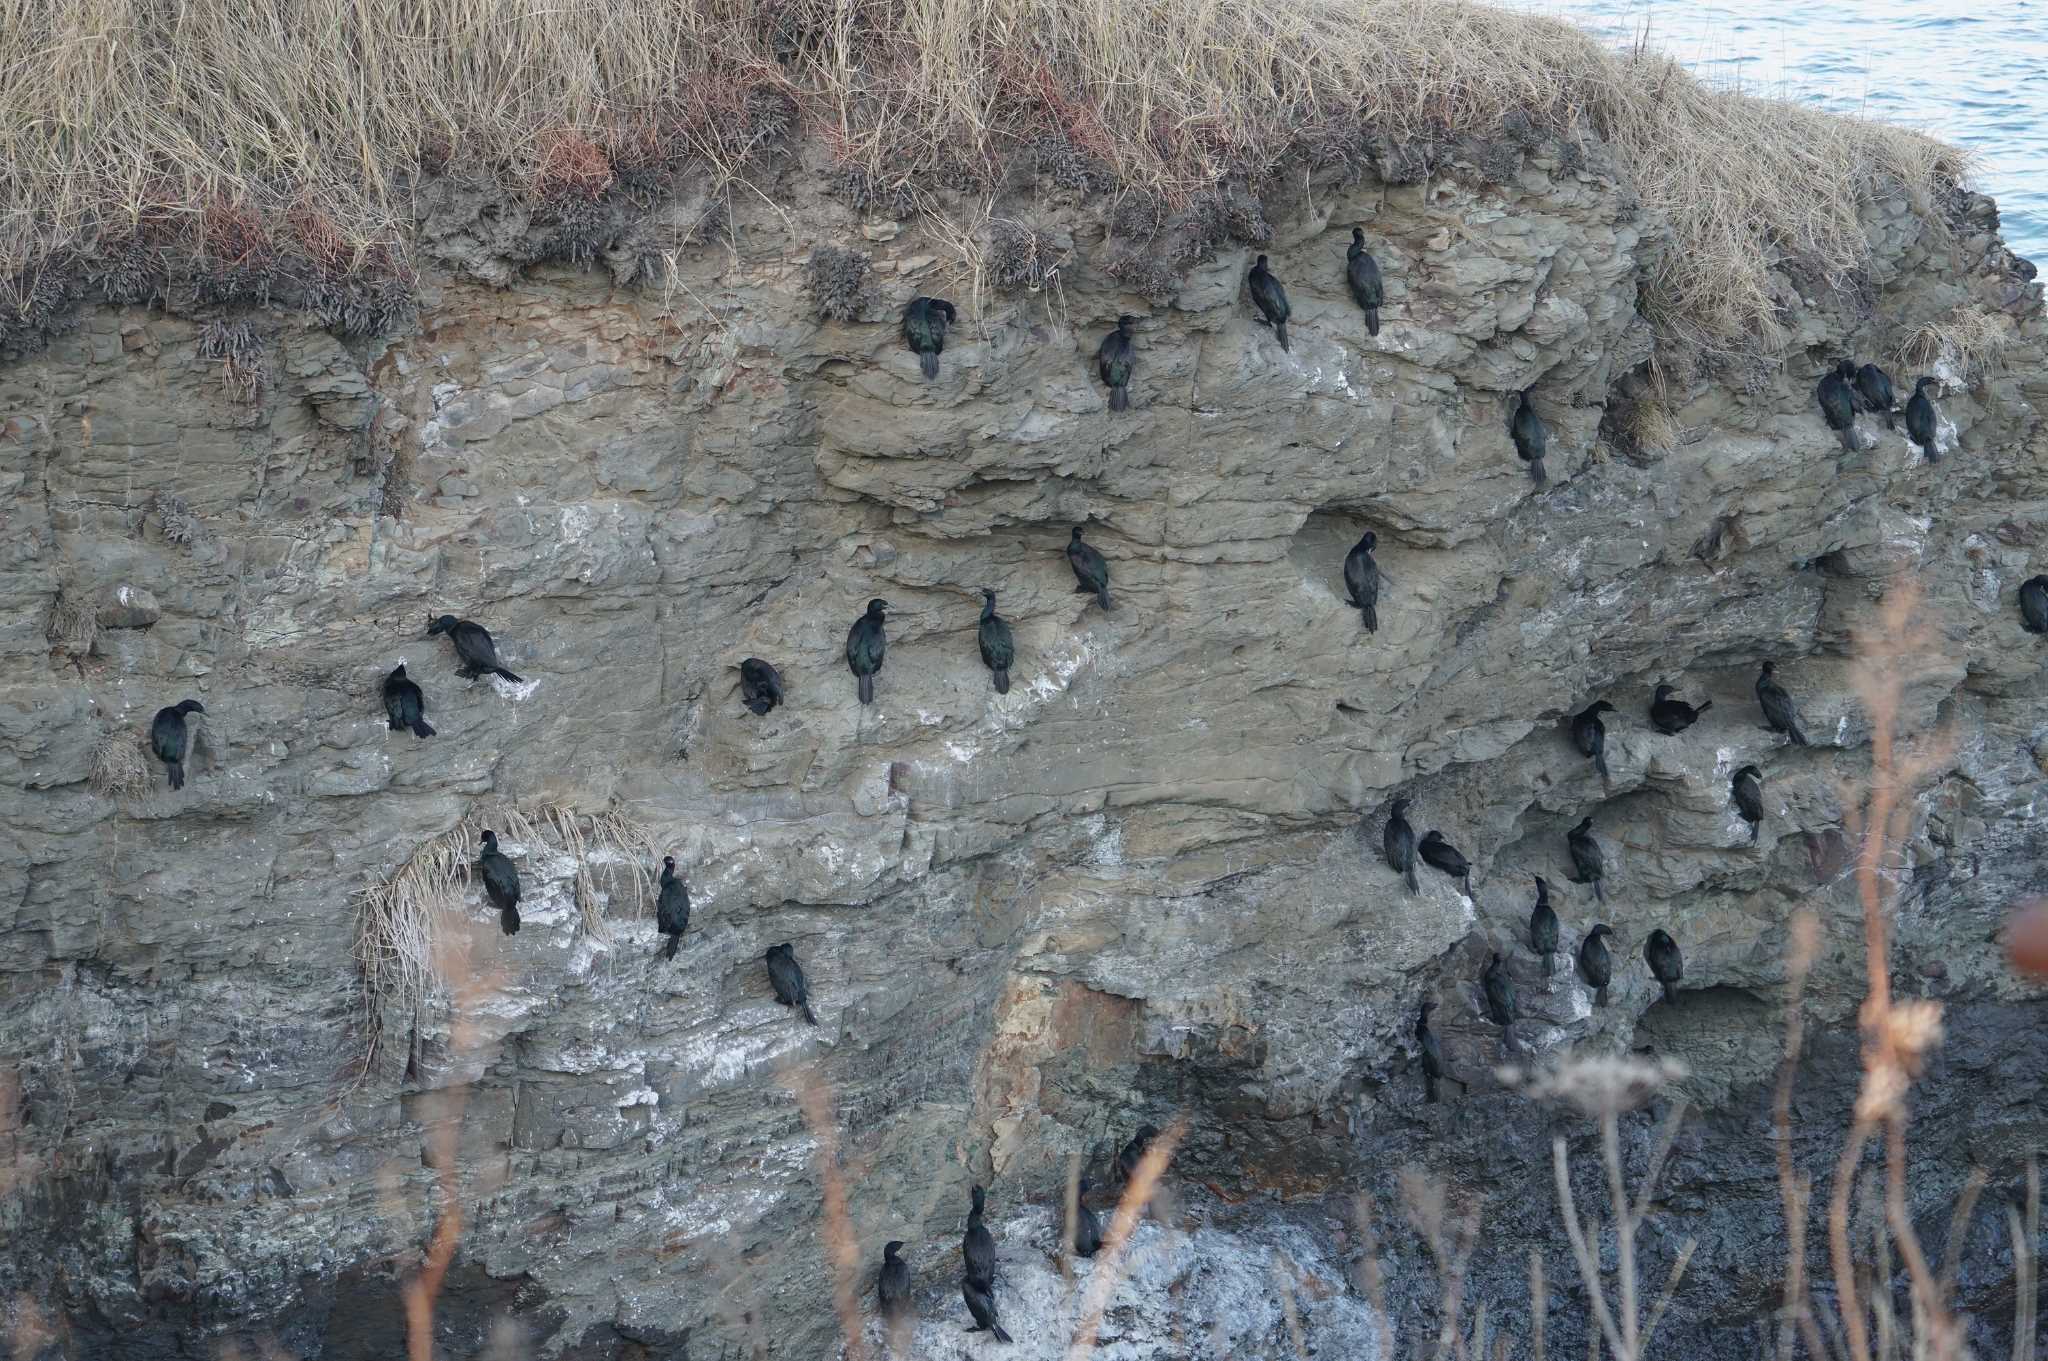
(1584, 827)
(445, 624)
(1926, 382)
(979, 1196)
(1428, 1005)
(1769, 667)
(1750, 771)
(1664, 690)
(1358, 235)
(1601, 706)
(1262, 262)
(1493, 964)
(1077, 534)
(1370, 541)
(1125, 323)
(1400, 805)
(988, 594)
(490, 839)
(1147, 1133)
(668, 862)
(400, 671)
(1603, 929)
(892, 1247)
(1846, 368)
(1083, 1187)
(875, 608)
(1432, 837)
(1542, 886)
(191, 706)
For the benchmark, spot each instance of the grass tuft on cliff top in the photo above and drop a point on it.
(234, 131)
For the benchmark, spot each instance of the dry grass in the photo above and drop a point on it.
(73, 626)
(1961, 347)
(279, 143)
(118, 768)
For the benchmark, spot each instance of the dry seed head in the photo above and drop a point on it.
(1598, 1085)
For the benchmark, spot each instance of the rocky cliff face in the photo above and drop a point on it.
(1144, 883)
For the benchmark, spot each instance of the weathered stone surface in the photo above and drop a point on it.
(1144, 882)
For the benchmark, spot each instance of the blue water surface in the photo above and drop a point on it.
(1975, 75)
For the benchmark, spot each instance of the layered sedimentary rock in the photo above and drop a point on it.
(1143, 884)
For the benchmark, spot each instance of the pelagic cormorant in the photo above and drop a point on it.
(1543, 924)
(1499, 991)
(2034, 604)
(1874, 393)
(473, 647)
(1399, 841)
(866, 645)
(1665, 965)
(1091, 572)
(1836, 394)
(1114, 360)
(1362, 580)
(1589, 734)
(1589, 866)
(1531, 435)
(169, 740)
(1920, 422)
(786, 976)
(404, 704)
(760, 686)
(1779, 713)
(924, 330)
(1596, 965)
(1432, 1052)
(1748, 790)
(977, 1247)
(672, 907)
(1086, 1230)
(1133, 1152)
(1673, 716)
(1271, 299)
(892, 1284)
(998, 648)
(1362, 272)
(501, 883)
(1442, 855)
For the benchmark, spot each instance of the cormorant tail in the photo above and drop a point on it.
(1002, 680)
(1371, 615)
(177, 774)
(1372, 321)
(1119, 399)
(1599, 892)
(1798, 737)
(1702, 708)
(1413, 887)
(1671, 993)
(1888, 419)
(396, 724)
(1102, 597)
(1466, 880)
(1848, 437)
(420, 728)
(1754, 828)
(1536, 471)
(673, 942)
(867, 689)
(1600, 763)
(1280, 333)
(929, 362)
(508, 675)
(1428, 1088)
(508, 921)
(997, 1329)
(1600, 997)
(809, 1019)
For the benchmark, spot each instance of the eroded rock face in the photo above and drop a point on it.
(1145, 882)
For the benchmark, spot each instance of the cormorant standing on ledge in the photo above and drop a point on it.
(760, 686)
(1432, 1052)
(168, 739)
(1532, 436)
(473, 647)
(1920, 425)
(1662, 953)
(1091, 572)
(1271, 299)
(1362, 272)
(1399, 840)
(2034, 604)
(1673, 716)
(892, 1284)
(1596, 966)
(866, 645)
(1779, 713)
(404, 704)
(501, 883)
(1589, 734)
(672, 907)
(1543, 924)
(1362, 580)
(1589, 866)
(1442, 855)
(1129, 1156)
(1874, 393)
(1837, 397)
(998, 647)
(1748, 789)
(1114, 361)
(1499, 990)
(786, 976)
(977, 1247)
(924, 330)
(1086, 1230)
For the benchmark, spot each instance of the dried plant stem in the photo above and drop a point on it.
(2026, 1233)
(1856, 1331)
(842, 1244)
(1539, 1303)
(1109, 1260)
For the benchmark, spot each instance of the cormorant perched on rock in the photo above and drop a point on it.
(1543, 924)
(1114, 361)
(1748, 789)
(1499, 991)
(786, 976)
(1589, 734)
(998, 648)
(1271, 299)
(977, 1247)
(1442, 855)
(1589, 866)
(1665, 965)
(866, 645)
(1091, 572)
(473, 647)
(1673, 716)
(1779, 713)
(672, 907)
(1596, 966)
(924, 330)
(1837, 397)
(1874, 393)
(1086, 1230)
(981, 1302)
(404, 704)
(2034, 604)
(1532, 436)
(1920, 423)
(1399, 841)
(1362, 272)
(1129, 1156)
(1362, 580)
(760, 686)
(167, 737)
(892, 1284)
(1432, 1052)
(501, 883)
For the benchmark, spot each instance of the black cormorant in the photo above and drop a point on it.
(501, 883)
(981, 1302)
(1779, 713)
(786, 976)
(1442, 855)
(1589, 734)
(1114, 361)
(1543, 924)
(1874, 393)
(1131, 1154)
(1432, 1052)
(1836, 394)
(1271, 299)
(1920, 423)
(892, 1284)
(1596, 966)
(473, 647)
(672, 907)
(1091, 572)
(1665, 965)
(1589, 866)
(1673, 716)
(1362, 272)
(1362, 580)
(168, 739)
(977, 1247)
(924, 330)
(1532, 436)
(404, 704)
(1499, 991)
(1399, 842)
(998, 648)
(1748, 789)
(2034, 604)
(866, 643)
(1086, 1231)
(760, 686)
